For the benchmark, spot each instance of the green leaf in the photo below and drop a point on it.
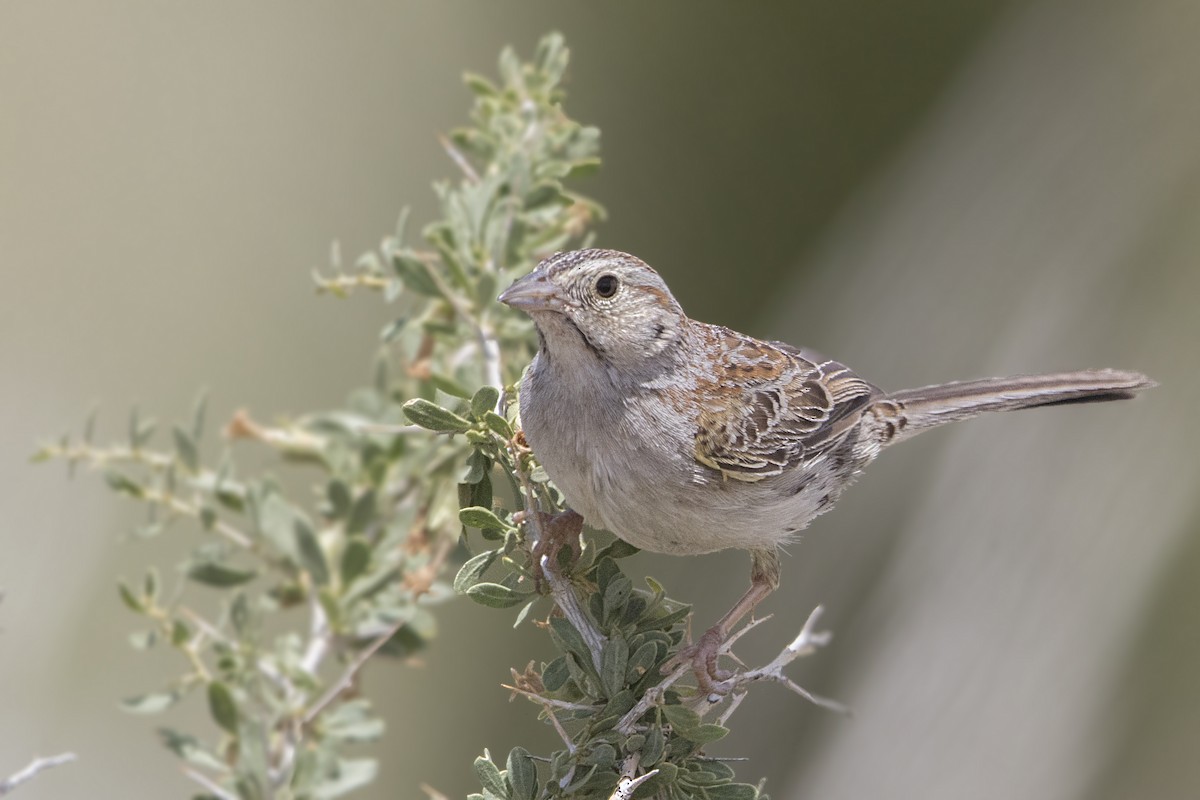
(497, 424)
(312, 557)
(682, 718)
(347, 775)
(450, 386)
(143, 640)
(220, 576)
(479, 85)
(704, 734)
(362, 513)
(482, 518)
(352, 721)
(131, 600)
(355, 559)
(667, 775)
(477, 468)
(198, 413)
(489, 776)
(433, 417)
(338, 495)
(208, 517)
(470, 572)
(186, 449)
(189, 749)
(613, 662)
(484, 400)
(415, 274)
(119, 482)
(222, 707)
(555, 674)
(569, 639)
(151, 703)
(179, 633)
(522, 774)
(495, 595)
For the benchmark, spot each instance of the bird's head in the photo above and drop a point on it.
(603, 306)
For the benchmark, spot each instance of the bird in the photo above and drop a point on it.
(686, 438)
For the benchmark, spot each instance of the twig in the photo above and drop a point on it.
(650, 698)
(458, 158)
(32, 769)
(568, 603)
(209, 784)
(549, 701)
(628, 783)
(805, 643)
(319, 636)
(347, 677)
(564, 594)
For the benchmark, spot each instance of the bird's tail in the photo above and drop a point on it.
(907, 413)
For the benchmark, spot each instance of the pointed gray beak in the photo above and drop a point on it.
(534, 292)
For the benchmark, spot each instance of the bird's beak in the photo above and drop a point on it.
(534, 292)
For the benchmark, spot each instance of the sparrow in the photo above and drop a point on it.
(685, 438)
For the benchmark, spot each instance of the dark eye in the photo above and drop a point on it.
(606, 285)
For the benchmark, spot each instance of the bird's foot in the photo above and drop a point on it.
(703, 656)
(555, 532)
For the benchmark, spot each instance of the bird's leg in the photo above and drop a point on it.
(705, 652)
(555, 531)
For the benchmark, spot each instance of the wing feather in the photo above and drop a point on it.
(768, 407)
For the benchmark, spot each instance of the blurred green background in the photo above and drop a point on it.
(927, 191)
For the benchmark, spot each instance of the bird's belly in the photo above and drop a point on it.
(686, 509)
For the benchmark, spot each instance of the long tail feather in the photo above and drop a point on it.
(915, 410)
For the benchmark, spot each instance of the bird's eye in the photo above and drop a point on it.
(606, 285)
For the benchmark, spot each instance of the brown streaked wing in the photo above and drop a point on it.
(768, 407)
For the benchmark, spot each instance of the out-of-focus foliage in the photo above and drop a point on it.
(363, 558)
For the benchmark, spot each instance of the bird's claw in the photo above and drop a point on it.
(703, 656)
(556, 531)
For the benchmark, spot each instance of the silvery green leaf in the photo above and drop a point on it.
(495, 595)
(185, 448)
(131, 600)
(484, 400)
(188, 748)
(218, 575)
(706, 733)
(143, 640)
(362, 512)
(355, 558)
(613, 662)
(348, 775)
(682, 718)
(524, 612)
(433, 417)
(470, 572)
(479, 517)
(222, 707)
(151, 703)
(119, 482)
(450, 386)
(312, 557)
(489, 776)
(415, 274)
(498, 424)
(522, 774)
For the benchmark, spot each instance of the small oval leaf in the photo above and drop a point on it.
(431, 416)
(222, 707)
(494, 595)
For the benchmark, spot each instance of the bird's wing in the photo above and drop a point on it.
(766, 406)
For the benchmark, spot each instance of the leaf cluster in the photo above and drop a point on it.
(283, 598)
